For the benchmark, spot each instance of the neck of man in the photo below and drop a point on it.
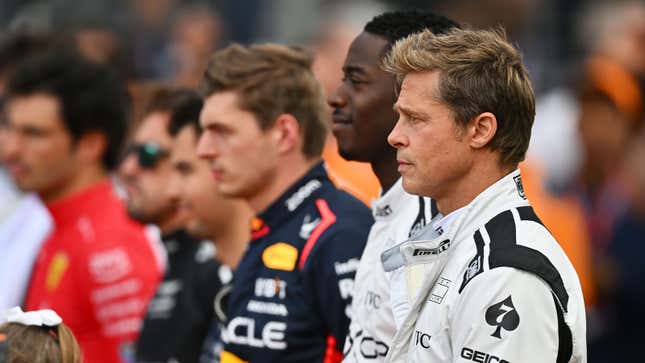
(232, 237)
(85, 177)
(385, 167)
(289, 170)
(466, 187)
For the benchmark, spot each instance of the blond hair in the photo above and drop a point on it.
(35, 344)
(270, 80)
(479, 71)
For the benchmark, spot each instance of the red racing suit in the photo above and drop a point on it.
(98, 270)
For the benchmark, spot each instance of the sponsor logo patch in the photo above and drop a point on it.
(480, 357)
(303, 193)
(259, 229)
(346, 267)
(367, 346)
(519, 186)
(383, 211)
(269, 308)
(280, 256)
(56, 271)
(109, 266)
(440, 290)
(270, 288)
(432, 251)
(242, 330)
(422, 339)
(502, 316)
(228, 357)
(308, 226)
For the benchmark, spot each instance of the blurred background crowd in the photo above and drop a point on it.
(585, 170)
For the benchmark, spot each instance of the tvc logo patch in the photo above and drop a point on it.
(502, 315)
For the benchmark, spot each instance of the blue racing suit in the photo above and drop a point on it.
(293, 288)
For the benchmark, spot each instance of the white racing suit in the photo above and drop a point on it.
(494, 287)
(397, 216)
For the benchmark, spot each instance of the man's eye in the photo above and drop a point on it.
(352, 80)
(184, 169)
(32, 131)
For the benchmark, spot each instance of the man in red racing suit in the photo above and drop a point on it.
(66, 119)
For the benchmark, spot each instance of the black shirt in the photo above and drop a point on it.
(180, 314)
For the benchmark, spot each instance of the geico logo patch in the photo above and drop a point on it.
(480, 357)
(241, 330)
(280, 256)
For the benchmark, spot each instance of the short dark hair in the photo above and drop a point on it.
(183, 105)
(395, 25)
(92, 96)
(17, 47)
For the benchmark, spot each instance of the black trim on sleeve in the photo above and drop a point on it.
(434, 210)
(530, 260)
(565, 339)
(528, 214)
(420, 221)
(501, 230)
(476, 265)
(504, 251)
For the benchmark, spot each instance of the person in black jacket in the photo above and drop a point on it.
(179, 315)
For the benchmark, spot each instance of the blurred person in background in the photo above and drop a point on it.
(263, 132)
(211, 216)
(624, 292)
(19, 245)
(195, 34)
(145, 27)
(611, 34)
(363, 117)
(145, 168)
(612, 115)
(338, 28)
(66, 120)
(179, 315)
(100, 43)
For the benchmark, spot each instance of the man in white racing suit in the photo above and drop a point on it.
(486, 280)
(363, 117)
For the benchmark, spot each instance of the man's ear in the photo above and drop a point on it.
(91, 147)
(286, 131)
(482, 129)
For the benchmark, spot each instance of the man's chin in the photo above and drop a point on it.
(352, 155)
(411, 187)
(230, 191)
(139, 215)
(345, 153)
(198, 229)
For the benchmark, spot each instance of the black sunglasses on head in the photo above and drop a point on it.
(148, 153)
